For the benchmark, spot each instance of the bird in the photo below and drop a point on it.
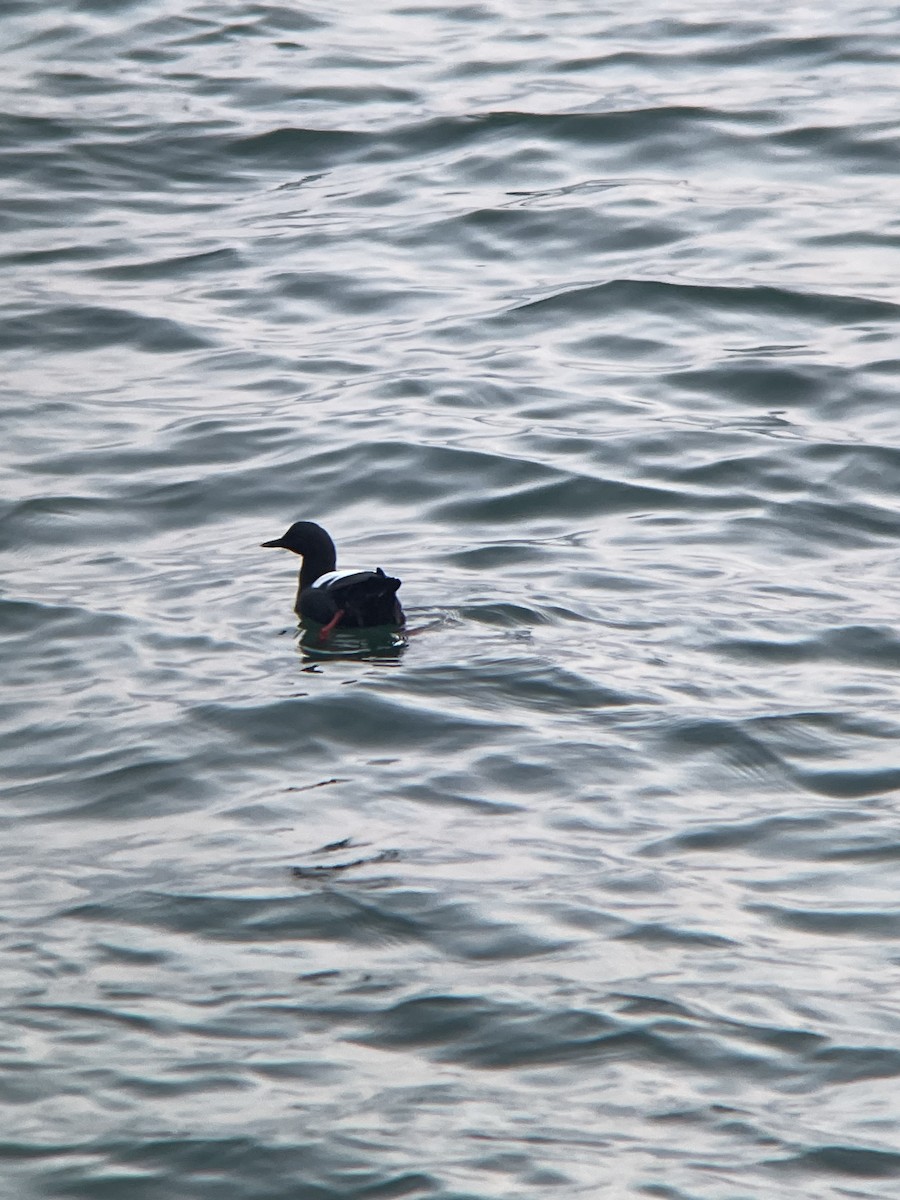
(333, 599)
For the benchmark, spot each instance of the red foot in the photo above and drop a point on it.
(327, 630)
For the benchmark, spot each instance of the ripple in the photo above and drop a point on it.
(73, 328)
(857, 1161)
(861, 646)
(878, 924)
(365, 918)
(307, 147)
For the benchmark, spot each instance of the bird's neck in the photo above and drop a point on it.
(315, 565)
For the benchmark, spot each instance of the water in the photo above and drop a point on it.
(584, 323)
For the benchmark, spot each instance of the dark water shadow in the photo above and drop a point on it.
(381, 643)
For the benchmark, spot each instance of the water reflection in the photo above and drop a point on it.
(379, 643)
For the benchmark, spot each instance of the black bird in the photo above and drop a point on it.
(349, 599)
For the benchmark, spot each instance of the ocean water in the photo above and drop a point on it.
(583, 320)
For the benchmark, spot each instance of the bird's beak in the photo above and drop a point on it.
(278, 544)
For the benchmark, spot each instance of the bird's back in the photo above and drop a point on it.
(364, 598)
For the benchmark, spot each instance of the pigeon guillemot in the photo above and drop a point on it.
(349, 599)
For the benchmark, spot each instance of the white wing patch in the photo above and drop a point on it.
(332, 577)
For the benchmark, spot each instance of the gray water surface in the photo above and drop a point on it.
(585, 324)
